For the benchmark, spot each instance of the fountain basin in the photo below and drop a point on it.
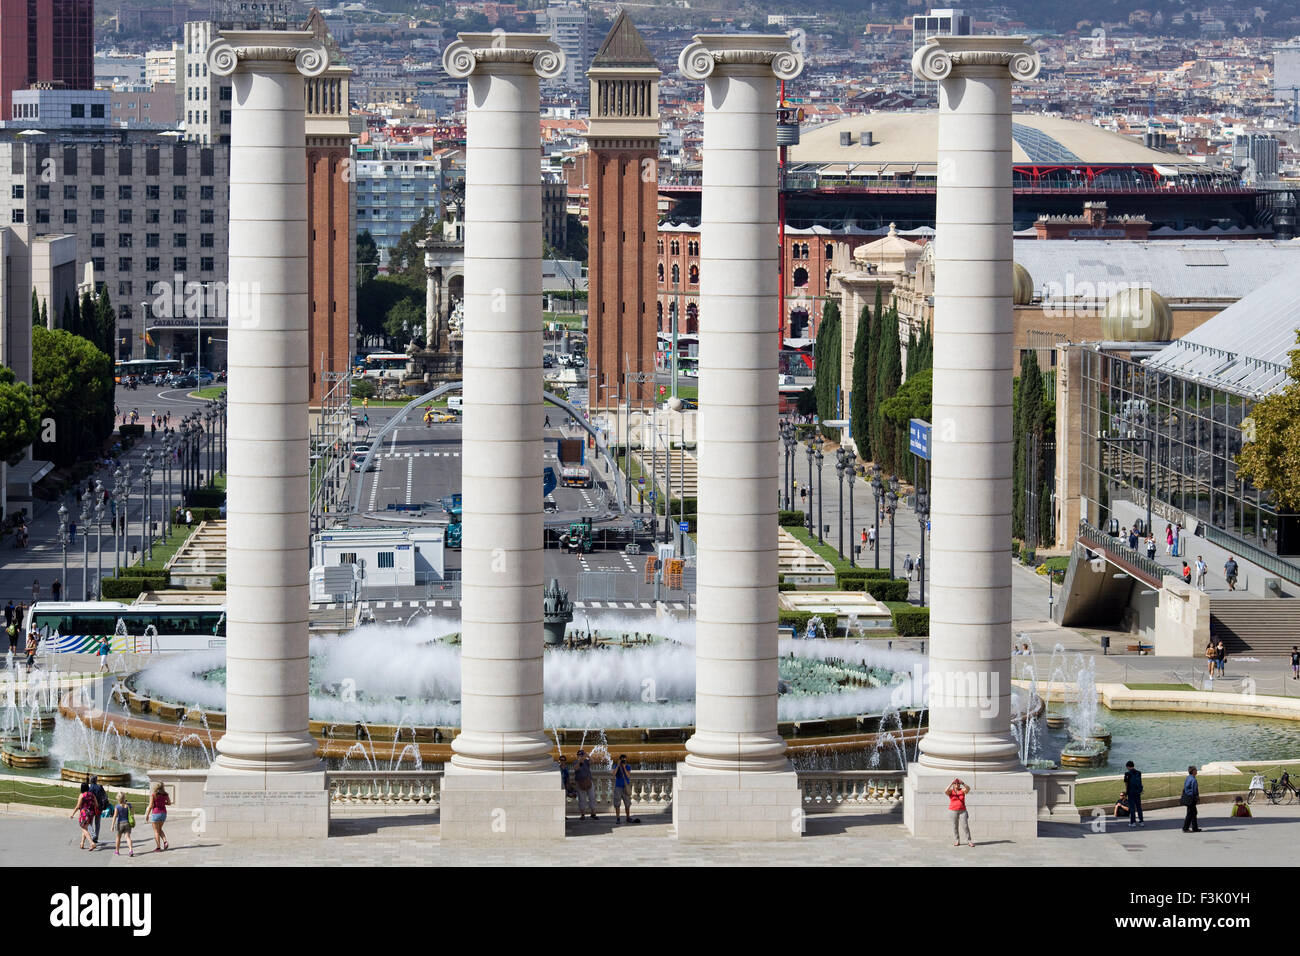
(24, 758)
(110, 774)
(1057, 721)
(1091, 753)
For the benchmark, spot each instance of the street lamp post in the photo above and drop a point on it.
(114, 496)
(168, 452)
(99, 536)
(878, 491)
(811, 451)
(839, 471)
(851, 473)
(87, 509)
(63, 542)
(820, 495)
(146, 511)
(922, 513)
(122, 493)
(891, 506)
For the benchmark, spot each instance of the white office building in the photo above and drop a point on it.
(936, 23)
(569, 24)
(395, 185)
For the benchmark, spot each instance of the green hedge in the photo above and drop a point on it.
(845, 575)
(791, 519)
(911, 621)
(140, 571)
(785, 586)
(1027, 555)
(131, 431)
(887, 589)
(796, 619)
(219, 584)
(205, 498)
(130, 587)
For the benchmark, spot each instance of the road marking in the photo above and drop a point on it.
(449, 603)
(374, 488)
(410, 473)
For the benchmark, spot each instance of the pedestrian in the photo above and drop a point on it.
(1201, 569)
(1211, 658)
(623, 790)
(871, 535)
(564, 776)
(1133, 790)
(11, 629)
(101, 803)
(1191, 796)
(1221, 656)
(158, 816)
(189, 518)
(1239, 808)
(103, 652)
(586, 788)
(1169, 539)
(1230, 573)
(1178, 535)
(956, 794)
(123, 822)
(1187, 573)
(864, 537)
(1151, 547)
(56, 589)
(908, 565)
(36, 590)
(920, 568)
(547, 423)
(9, 612)
(1133, 538)
(72, 532)
(1122, 808)
(32, 643)
(84, 813)
(1295, 662)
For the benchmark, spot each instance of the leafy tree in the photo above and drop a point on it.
(376, 299)
(860, 397)
(1271, 441)
(914, 399)
(367, 257)
(19, 420)
(73, 384)
(807, 402)
(404, 320)
(889, 375)
(363, 388)
(406, 256)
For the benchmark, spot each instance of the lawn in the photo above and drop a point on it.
(1102, 793)
(163, 550)
(825, 550)
(570, 320)
(212, 391)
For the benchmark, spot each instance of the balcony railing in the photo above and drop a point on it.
(1152, 571)
(1267, 560)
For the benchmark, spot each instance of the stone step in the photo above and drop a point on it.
(1265, 627)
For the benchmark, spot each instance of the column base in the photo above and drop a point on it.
(1001, 806)
(241, 805)
(479, 807)
(719, 806)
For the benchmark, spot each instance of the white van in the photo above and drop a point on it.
(456, 403)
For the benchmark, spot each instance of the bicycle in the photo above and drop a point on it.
(1281, 790)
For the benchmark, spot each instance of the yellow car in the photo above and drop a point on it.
(439, 418)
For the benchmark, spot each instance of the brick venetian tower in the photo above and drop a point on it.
(623, 185)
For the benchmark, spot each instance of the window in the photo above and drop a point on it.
(43, 191)
(677, 274)
(97, 110)
(223, 93)
(69, 217)
(178, 217)
(151, 240)
(124, 217)
(124, 192)
(178, 193)
(124, 264)
(124, 161)
(695, 275)
(348, 557)
(830, 250)
(150, 161)
(124, 240)
(69, 161)
(659, 247)
(205, 216)
(124, 287)
(97, 194)
(676, 247)
(17, 191)
(97, 240)
(225, 117)
(207, 264)
(78, 110)
(207, 193)
(97, 161)
(18, 215)
(384, 559)
(661, 270)
(69, 192)
(152, 191)
(97, 263)
(207, 240)
(151, 216)
(42, 216)
(179, 264)
(179, 240)
(207, 162)
(151, 264)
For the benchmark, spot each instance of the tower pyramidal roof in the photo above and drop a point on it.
(623, 46)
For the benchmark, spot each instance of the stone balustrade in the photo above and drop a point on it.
(852, 791)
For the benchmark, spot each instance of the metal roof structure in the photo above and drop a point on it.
(1244, 349)
(1193, 271)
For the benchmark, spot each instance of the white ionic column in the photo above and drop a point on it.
(970, 614)
(736, 782)
(267, 745)
(501, 783)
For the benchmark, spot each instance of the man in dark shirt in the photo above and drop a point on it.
(1133, 790)
(101, 801)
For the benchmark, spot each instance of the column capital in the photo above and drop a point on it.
(246, 47)
(474, 52)
(941, 56)
(709, 51)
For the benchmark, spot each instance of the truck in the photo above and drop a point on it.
(577, 539)
(453, 534)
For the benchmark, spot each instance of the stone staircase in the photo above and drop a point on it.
(202, 558)
(1264, 627)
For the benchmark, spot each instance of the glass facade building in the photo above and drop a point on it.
(1190, 433)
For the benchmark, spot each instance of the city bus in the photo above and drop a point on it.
(77, 626)
(142, 367)
(385, 366)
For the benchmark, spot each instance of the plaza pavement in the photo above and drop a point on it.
(40, 838)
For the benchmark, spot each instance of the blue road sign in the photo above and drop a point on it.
(918, 438)
(683, 526)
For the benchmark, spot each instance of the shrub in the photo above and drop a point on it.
(1027, 555)
(219, 583)
(844, 575)
(205, 498)
(852, 584)
(786, 586)
(911, 621)
(139, 571)
(787, 519)
(130, 587)
(363, 388)
(886, 589)
(131, 431)
(795, 619)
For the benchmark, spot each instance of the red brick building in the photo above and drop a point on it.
(623, 196)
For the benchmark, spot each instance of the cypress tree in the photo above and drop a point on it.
(889, 375)
(105, 323)
(36, 308)
(45, 315)
(826, 361)
(68, 315)
(86, 317)
(911, 352)
(860, 412)
(873, 362)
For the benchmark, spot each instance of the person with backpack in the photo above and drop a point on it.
(1230, 573)
(908, 565)
(101, 803)
(586, 787)
(1133, 790)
